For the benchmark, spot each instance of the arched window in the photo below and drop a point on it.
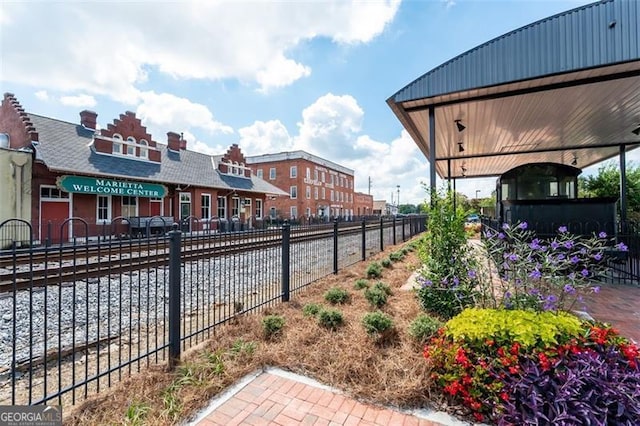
(144, 152)
(131, 145)
(235, 168)
(117, 144)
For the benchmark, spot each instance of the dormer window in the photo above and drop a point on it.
(234, 170)
(144, 152)
(117, 144)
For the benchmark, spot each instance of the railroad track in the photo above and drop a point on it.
(60, 265)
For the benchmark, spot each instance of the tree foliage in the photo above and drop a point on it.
(607, 184)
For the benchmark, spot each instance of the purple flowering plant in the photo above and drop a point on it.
(541, 274)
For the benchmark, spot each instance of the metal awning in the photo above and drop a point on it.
(565, 90)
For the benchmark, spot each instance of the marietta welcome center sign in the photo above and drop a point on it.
(88, 185)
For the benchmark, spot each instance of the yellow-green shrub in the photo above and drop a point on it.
(528, 328)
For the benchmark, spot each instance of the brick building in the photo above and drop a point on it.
(121, 171)
(318, 188)
(362, 204)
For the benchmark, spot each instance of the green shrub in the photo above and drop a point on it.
(376, 297)
(336, 295)
(404, 251)
(330, 318)
(423, 327)
(361, 283)
(383, 287)
(502, 325)
(396, 256)
(241, 348)
(386, 262)
(377, 323)
(272, 325)
(311, 309)
(450, 277)
(374, 270)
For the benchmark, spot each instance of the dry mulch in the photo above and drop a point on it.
(392, 372)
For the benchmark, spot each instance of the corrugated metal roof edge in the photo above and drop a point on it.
(393, 97)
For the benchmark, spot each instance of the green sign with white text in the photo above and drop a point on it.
(103, 186)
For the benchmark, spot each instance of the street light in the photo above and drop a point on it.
(398, 200)
(477, 190)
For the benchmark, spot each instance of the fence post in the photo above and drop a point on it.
(394, 231)
(335, 246)
(381, 234)
(364, 239)
(404, 236)
(175, 238)
(286, 261)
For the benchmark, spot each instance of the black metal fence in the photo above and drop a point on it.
(624, 266)
(78, 316)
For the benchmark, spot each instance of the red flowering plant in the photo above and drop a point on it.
(486, 365)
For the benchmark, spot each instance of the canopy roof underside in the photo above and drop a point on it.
(575, 114)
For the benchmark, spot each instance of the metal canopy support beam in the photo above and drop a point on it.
(537, 151)
(623, 185)
(432, 148)
(449, 174)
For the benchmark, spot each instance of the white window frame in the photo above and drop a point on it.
(293, 192)
(293, 172)
(122, 205)
(235, 206)
(144, 151)
(115, 144)
(222, 207)
(293, 212)
(308, 192)
(272, 173)
(207, 206)
(259, 209)
(259, 173)
(324, 194)
(131, 146)
(98, 207)
(315, 192)
(308, 211)
(332, 196)
(308, 173)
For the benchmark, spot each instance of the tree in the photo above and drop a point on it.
(607, 184)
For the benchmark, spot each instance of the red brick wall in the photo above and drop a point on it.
(15, 122)
(283, 181)
(362, 204)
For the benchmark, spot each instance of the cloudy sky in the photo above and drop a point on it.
(271, 76)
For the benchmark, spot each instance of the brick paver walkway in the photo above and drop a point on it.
(619, 305)
(274, 399)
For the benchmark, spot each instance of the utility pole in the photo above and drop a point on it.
(369, 186)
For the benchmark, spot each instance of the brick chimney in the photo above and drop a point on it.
(174, 142)
(88, 119)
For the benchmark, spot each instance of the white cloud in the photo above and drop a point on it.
(398, 162)
(265, 138)
(166, 112)
(42, 95)
(281, 72)
(79, 101)
(110, 49)
(194, 144)
(330, 126)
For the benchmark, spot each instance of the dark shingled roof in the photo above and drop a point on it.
(68, 148)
